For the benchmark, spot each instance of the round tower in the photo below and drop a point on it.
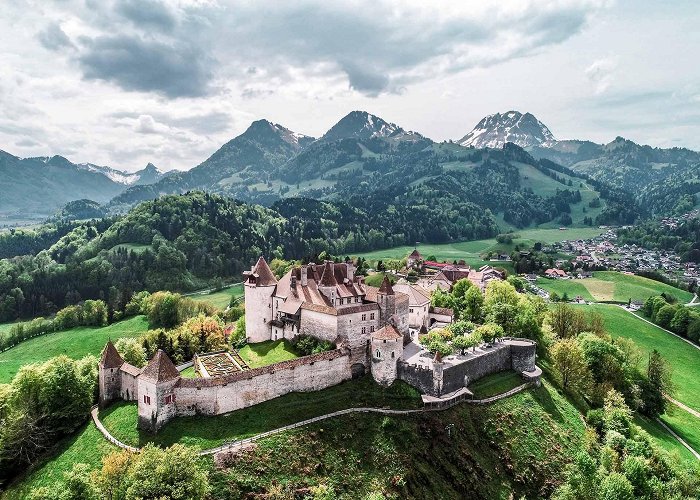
(387, 349)
(386, 299)
(259, 287)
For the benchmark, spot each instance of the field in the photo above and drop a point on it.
(208, 432)
(497, 383)
(683, 358)
(686, 425)
(606, 286)
(267, 353)
(663, 438)
(512, 448)
(74, 343)
(471, 251)
(219, 299)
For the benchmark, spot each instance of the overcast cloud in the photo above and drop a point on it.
(125, 82)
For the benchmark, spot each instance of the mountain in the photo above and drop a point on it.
(374, 165)
(38, 187)
(494, 131)
(148, 175)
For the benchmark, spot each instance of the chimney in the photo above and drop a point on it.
(351, 271)
(293, 282)
(304, 276)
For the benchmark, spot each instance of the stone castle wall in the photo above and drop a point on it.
(258, 312)
(318, 324)
(224, 394)
(417, 376)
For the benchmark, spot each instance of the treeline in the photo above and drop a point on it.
(684, 239)
(662, 310)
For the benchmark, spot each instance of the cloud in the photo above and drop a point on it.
(148, 13)
(133, 63)
(145, 125)
(601, 73)
(54, 38)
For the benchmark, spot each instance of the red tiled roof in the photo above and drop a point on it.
(264, 273)
(110, 356)
(386, 286)
(388, 332)
(160, 368)
(328, 275)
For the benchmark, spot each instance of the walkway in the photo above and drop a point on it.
(678, 438)
(445, 404)
(694, 413)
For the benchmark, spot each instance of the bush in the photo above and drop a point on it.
(306, 345)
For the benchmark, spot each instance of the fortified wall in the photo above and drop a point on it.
(456, 372)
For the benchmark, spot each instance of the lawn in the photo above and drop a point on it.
(639, 288)
(74, 343)
(662, 437)
(684, 424)
(220, 299)
(471, 251)
(571, 288)
(607, 286)
(188, 372)
(497, 383)
(210, 431)
(85, 446)
(683, 358)
(267, 353)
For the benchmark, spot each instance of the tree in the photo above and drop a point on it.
(473, 303)
(489, 332)
(615, 486)
(461, 342)
(132, 351)
(617, 416)
(665, 315)
(680, 321)
(570, 365)
(500, 292)
(566, 321)
(657, 384)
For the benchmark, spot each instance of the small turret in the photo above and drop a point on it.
(386, 299)
(387, 349)
(108, 373)
(156, 392)
(260, 285)
(327, 284)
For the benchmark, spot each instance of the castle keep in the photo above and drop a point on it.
(369, 327)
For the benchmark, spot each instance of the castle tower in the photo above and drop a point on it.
(387, 349)
(387, 302)
(157, 392)
(327, 284)
(260, 285)
(438, 369)
(110, 379)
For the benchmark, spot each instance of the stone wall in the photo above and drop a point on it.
(156, 413)
(495, 359)
(318, 324)
(242, 389)
(129, 387)
(258, 312)
(419, 377)
(109, 384)
(523, 356)
(385, 355)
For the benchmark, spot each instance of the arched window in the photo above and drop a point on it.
(379, 354)
(392, 354)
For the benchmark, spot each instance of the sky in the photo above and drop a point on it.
(127, 82)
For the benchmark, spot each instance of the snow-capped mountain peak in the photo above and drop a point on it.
(495, 130)
(363, 125)
(148, 175)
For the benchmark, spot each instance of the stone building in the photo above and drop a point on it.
(327, 301)
(117, 379)
(387, 349)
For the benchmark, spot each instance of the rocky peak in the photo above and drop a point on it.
(494, 131)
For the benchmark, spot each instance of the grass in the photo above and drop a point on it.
(684, 424)
(608, 286)
(662, 437)
(86, 446)
(135, 247)
(221, 298)
(210, 431)
(471, 251)
(268, 352)
(188, 372)
(683, 358)
(74, 343)
(497, 383)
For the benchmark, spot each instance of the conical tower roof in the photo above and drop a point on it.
(160, 368)
(328, 275)
(110, 356)
(386, 287)
(265, 277)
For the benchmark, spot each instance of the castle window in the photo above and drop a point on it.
(392, 354)
(371, 316)
(371, 328)
(364, 317)
(170, 398)
(364, 329)
(410, 310)
(378, 354)
(147, 399)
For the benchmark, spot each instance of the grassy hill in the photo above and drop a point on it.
(221, 298)
(607, 286)
(74, 343)
(518, 446)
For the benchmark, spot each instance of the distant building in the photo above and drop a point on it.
(414, 260)
(556, 274)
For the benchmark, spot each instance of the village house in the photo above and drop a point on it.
(449, 274)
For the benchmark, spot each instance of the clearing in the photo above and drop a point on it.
(220, 298)
(74, 343)
(267, 353)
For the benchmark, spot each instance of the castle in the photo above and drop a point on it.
(369, 326)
